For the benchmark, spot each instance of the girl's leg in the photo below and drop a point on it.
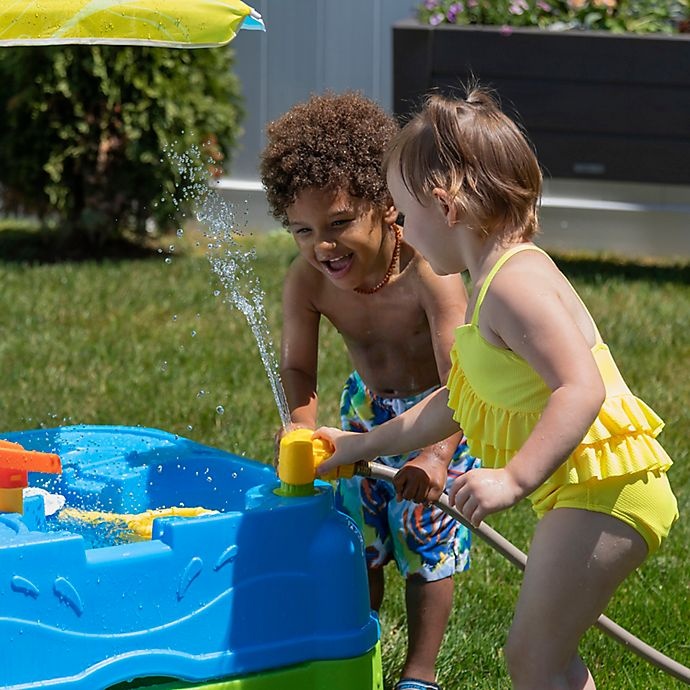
(576, 561)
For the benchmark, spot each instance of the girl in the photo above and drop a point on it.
(532, 383)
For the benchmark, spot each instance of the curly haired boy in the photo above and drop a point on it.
(322, 172)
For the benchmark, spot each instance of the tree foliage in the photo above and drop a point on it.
(85, 128)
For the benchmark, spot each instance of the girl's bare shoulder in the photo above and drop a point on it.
(525, 273)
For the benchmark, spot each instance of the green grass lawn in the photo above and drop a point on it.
(146, 342)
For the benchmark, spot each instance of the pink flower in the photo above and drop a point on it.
(544, 6)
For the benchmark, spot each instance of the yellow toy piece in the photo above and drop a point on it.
(140, 524)
(298, 458)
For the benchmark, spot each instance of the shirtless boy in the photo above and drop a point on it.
(322, 173)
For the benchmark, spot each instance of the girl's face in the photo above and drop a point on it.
(340, 236)
(426, 227)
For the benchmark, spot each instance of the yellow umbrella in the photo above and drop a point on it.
(163, 23)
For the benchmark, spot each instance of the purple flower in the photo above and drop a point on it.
(454, 10)
(431, 4)
(436, 19)
(506, 30)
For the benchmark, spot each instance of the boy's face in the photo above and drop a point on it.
(339, 235)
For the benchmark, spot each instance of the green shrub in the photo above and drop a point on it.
(619, 16)
(84, 131)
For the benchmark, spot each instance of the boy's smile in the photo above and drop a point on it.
(341, 236)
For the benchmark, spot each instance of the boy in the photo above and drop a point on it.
(322, 173)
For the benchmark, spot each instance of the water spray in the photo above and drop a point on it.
(299, 457)
(231, 263)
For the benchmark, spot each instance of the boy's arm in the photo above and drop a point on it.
(299, 349)
(423, 478)
(445, 301)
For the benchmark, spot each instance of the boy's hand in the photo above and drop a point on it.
(422, 479)
(348, 447)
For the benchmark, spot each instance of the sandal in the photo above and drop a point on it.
(415, 684)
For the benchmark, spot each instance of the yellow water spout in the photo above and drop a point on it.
(298, 458)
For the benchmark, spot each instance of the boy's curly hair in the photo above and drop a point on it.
(332, 141)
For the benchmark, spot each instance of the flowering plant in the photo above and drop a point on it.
(635, 16)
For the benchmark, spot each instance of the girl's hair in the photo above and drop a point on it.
(331, 142)
(477, 154)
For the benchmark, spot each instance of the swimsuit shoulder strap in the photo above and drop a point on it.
(494, 270)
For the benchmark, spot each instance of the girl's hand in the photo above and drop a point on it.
(480, 492)
(348, 447)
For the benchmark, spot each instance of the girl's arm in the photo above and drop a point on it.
(429, 421)
(537, 326)
(532, 320)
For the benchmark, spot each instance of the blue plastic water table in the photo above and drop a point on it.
(270, 591)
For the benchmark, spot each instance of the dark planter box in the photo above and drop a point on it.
(596, 105)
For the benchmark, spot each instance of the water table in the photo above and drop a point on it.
(257, 591)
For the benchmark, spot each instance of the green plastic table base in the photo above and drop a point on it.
(363, 672)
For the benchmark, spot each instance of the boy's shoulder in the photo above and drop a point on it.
(418, 271)
(302, 273)
(305, 285)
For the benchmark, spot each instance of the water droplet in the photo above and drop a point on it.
(168, 260)
(164, 365)
(220, 409)
(180, 232)
(193, 334)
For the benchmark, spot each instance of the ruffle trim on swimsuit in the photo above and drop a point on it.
(620, 441)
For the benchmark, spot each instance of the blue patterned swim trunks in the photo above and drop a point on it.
(422, 540)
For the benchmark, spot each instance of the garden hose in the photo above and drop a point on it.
(375, 470)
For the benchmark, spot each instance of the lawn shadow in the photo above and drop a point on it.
(601, 268)
(28, 244)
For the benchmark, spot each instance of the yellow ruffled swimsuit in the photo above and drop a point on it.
(498, 398)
